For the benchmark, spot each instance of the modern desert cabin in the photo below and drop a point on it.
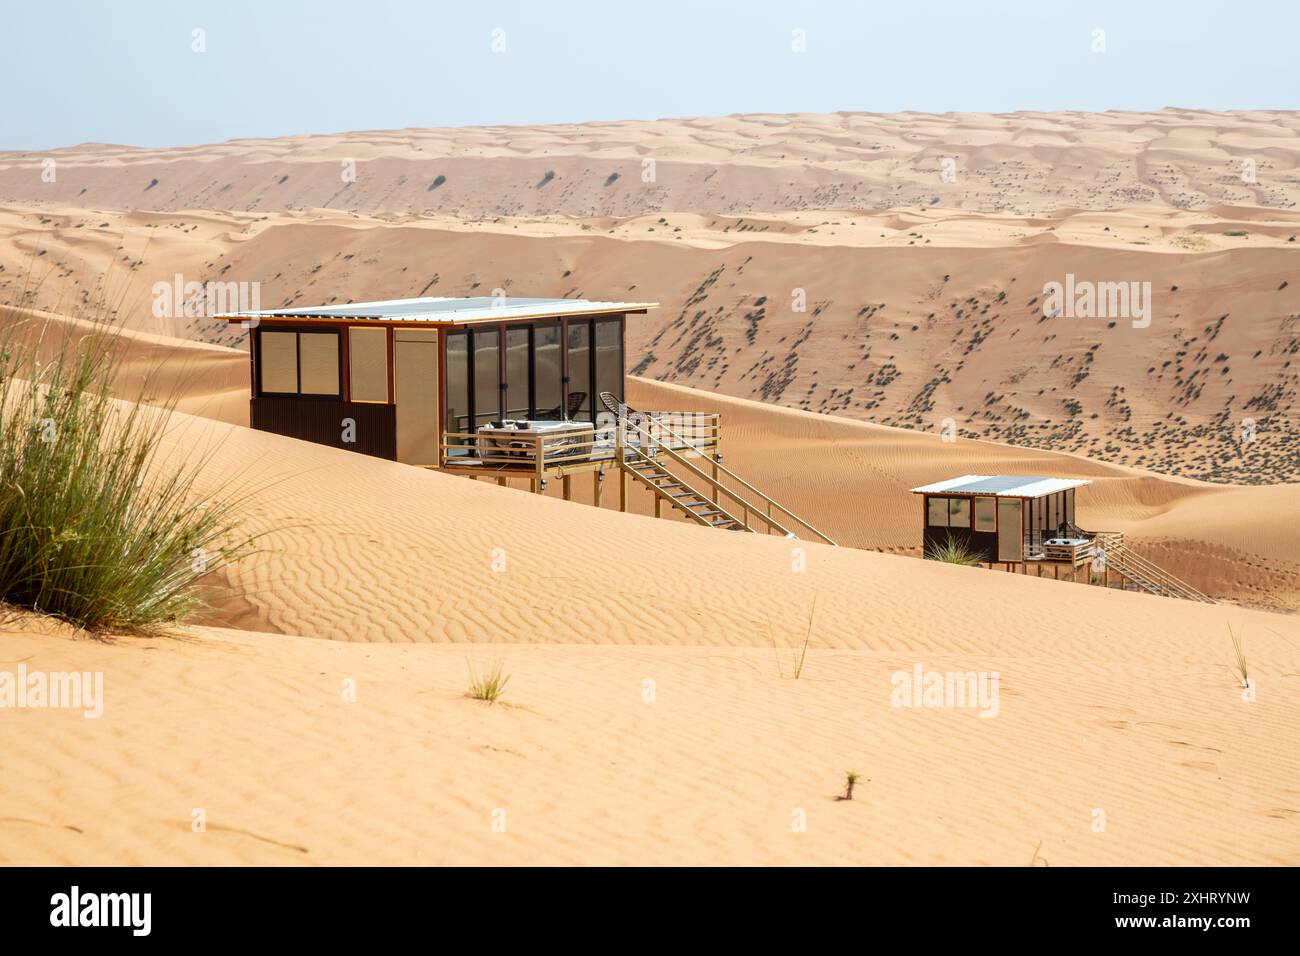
(394, 378)
(1001, 518)
(503, 388)
(1023, 521)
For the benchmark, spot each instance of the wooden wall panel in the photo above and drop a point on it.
(322, 421)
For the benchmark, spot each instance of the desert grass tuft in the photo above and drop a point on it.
(489, 685)
(799, 655)
(1239, 667)
(850, 781)
(954, 551)
(93, 529)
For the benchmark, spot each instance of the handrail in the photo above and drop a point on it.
(571, 447)
(661, 493)
(1159, 575)
(681, 459)
(723, 468)
(1112, 545)
(1153, 571)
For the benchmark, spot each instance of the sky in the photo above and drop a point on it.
(130, 71)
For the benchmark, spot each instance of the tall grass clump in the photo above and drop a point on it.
(799, 655)
(954, 551)
(488, 685)
(94, 529)
(1239, 666)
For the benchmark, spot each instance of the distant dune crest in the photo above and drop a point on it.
(1025, 163)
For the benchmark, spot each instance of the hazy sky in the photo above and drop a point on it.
(126, 72)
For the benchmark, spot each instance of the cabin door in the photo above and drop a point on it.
(1011, 545)
(415, 390)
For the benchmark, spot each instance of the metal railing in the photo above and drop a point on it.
(539, 454)
(1147, 575)
(511, 451)
(651, 428)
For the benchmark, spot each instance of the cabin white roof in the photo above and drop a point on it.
(447, 311)
(1002, 486)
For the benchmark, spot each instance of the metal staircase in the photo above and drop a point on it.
(1143, 574)
(653, 454)
(670, 489)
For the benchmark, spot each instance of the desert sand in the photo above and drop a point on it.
(317, 714)
(1026, 162)
(1131, 709)
(924, 319)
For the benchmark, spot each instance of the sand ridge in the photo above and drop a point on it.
(1025, 162)
(889, 329)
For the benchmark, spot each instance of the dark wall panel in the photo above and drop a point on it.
(984, 543)
(322, 421)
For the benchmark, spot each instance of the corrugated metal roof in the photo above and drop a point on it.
(445, 310)
(1002, 486)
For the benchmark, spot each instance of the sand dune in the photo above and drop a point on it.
(1019, 162)
(849, 479)
(1130, 708)
(846, 309)
(893, 329)
(252, 730)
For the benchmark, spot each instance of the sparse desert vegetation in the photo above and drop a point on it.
(488, 683)
(91, 531)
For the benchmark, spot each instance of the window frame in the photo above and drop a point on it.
(955, 503)
(930, 501)
(561, 324)
(298, 331)
(388, 371)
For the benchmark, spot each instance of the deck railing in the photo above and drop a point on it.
(1109, 548)
(653, 428)
(552, 453)
(1152, 577)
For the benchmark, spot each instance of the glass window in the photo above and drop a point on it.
(368, 364)
(959, 512)
(299, 363)
(937, 512)
(458, 388)
(986, 514)
(1069, 505)
(1011, 546)
(517, 372)
(318, 363)
(487, 376)
(548, 392)
(609, 358)
(277, 354)
(580, 371)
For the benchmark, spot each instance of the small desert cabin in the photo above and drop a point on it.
(414, 379)
(1003, 518)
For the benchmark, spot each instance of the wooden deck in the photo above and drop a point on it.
(1107, 559)
(543, 457)
(675, 456)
